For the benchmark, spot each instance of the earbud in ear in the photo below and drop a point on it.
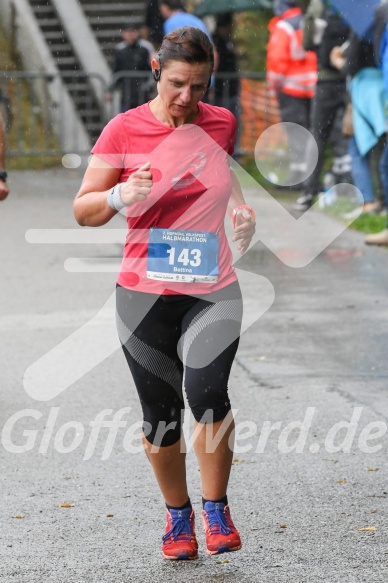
(156, 74)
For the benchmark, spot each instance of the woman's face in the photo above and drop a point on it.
(182, 85)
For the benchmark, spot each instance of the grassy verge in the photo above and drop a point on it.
(365, 223)
(369, 223)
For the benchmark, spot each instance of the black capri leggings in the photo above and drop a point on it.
(173, 341)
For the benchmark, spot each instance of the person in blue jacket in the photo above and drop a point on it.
(175, 15)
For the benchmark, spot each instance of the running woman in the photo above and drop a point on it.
(179, 308)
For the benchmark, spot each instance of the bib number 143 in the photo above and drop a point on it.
(186, 257)
(182, 256)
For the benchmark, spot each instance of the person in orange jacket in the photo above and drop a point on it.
(291, 76)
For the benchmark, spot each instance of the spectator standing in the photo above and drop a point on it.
(323, 30)
(291, 76)
(131, 56)
(358, 63)
(175, 15)
(154, 22)
(4, 190)
(227, 90)
(381, 49)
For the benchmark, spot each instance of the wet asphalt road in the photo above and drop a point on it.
(318, 354)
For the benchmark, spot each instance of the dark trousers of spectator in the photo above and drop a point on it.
(378, 156)
(327, 112)
(295, 110)
(361, 172)
(384, 172)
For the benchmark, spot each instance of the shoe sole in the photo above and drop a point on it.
(181, 557)
(223, 550)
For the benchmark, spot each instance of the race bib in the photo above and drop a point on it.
(185, 256)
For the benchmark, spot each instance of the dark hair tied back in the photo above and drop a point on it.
(188, 44)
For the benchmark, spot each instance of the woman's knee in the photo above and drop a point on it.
(164, 431)
(209, 402)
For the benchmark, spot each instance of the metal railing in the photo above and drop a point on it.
(49, 113)
(47, 117)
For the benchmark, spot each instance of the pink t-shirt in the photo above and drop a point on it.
(190, 193)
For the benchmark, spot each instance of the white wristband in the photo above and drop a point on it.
(114, 199)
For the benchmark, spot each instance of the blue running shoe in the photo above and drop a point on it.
(179, 541)
(221, 534)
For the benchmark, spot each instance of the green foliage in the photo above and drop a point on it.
(26, 131)
(251, 38)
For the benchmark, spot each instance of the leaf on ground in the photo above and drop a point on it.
(67, 505)
(18, 516)
(343, 481)
(109, 515)
(367, 528)
(373, 469)
(282, 526)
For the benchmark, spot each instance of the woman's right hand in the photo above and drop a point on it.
(138, 186)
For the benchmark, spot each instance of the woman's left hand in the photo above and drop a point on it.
(245, 227)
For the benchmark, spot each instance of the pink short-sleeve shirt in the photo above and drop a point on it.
(190, 193)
